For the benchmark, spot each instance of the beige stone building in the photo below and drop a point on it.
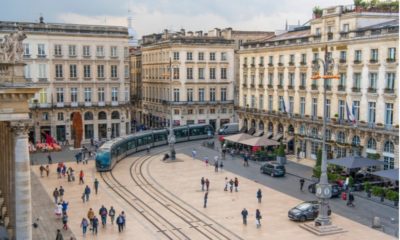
(200, 87)
(136, 86)
(82, 68)
(279, 98)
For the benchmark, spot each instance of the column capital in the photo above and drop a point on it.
(21, 128)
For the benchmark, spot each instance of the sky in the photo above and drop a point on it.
(152, 16)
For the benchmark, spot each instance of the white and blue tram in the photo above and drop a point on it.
(116, 149)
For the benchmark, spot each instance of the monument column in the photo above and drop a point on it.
(22, 180)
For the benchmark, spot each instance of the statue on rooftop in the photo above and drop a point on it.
(11, 48)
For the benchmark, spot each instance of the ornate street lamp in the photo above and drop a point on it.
(171, 136)
(323, 188)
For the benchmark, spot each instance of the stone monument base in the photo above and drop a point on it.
(322, 230)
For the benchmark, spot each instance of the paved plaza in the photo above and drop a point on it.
(163, 200)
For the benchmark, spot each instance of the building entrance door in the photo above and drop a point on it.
(60, 133)
(102, 128)
(114, 130)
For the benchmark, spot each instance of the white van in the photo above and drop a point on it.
(229, 128)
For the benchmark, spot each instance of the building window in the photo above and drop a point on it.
(176, 73)
(212, 94)
(371, 144)
(374, 55)
(73, 71)
(190, 95)
(212, 73)
(26, 49)
(341, 137)
(341, 109)
(357, 55)
(303, 80)
(282, 107)
(88, 95)
(114, 94)
(314, 148)
(201, 56)
(100, 94)
(345, 28)
(89, 131)
(60, 116)
(291, 58)
(189, 73)
(261, 61)
(291, 79)
(60, 95)
(314, 111)
(342, 80)
(27, 71)
(126, 71)
(343, 56)
(126, 94)
(388, 114)
(72, 50)
(302, 106)
(315, 56)
(371, 112)
(86, 51)
(190, 111)
(86, 71)
(291, 104)
(176, 95)
(41, 50)
(212, 56)
(357, 81)
(390, 78)
(113, 51)
(223, 56)
(271, 60)
(389, 162)
(201, 111)
(57, 50)
(45, 116)
(201, 73)
(280, 78)
(99, 51)
(100, 71)
(59, 71)
(270, 102)
(356, 110)
(318, 31)
(271, 79)
(245, 100)
(388, 147)
(189, 56)
(223, 73)
(74, 95)
(391, 54)
(114, 71)
(176, 55)
(328, 109)
(201, 94)
(373, 78)
(261, 102)
(43, 96)
(223, 94)
(253, 101)
(253, 61)
(88, 116)
(176, 111)
(42, 71)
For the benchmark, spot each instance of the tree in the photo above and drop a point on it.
(317, 167)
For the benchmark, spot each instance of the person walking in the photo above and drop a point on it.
(96, 185)
(236, 184)
(111, 213)
(41, 169)
(47, 170)
(350, 199)
(65, 221)
(206, 161)
(81, 175)
(221, 166)
(95, 224)
(55, 195)
(231, 185)
(103, 214)
(244, 215)
(50, 160)
(194, 153)
(59, 235)
(226, 184)
(258, 218)
(61, 193)
(202, 182)
(216, 166)
(124, 218)
(90, 216)
(301, 183)
(58, 210)
(207, 184)
(87, 192)
(64, 205)
(259, 195)
(120, 222)
(84, 225)
(205, 199)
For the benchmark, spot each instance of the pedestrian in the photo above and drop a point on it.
(50, 161)
(58, 211)
(95, 224)
(207, 184)
(111, 213)
(59, 235)
(103, 214)
(259, 195)
(64, 170)
(301, 183)
(205, 199)
(47, 170)
(206, 161)
(64, 205)
(83, 196)
(226, 184)
(194, 153)
(65, 221)
(231, 184)
(42, 169)
(96, 185)
(77, 158)
(258, 218)
(61, 193)
(148, 148)
(55, 195)
(202, 182)
(84, 225)
(215, 159)
(350, 200)
(236, 184)
(216, 166)
(124, 218)
(59, 171)
(120, 222)
(90, 216)
(221, 166)
(244, 216)
(87, 192)
(81, 177)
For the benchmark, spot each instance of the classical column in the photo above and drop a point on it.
(22, 180)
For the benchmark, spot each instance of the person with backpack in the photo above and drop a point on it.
(84, 225)
(50, 161)
(103, 214)
(231, 185)
(111, 213)
(120, 223)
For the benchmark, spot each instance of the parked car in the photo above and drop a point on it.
(336, 189)
(274, 169)
(305, 211)
(229, 128)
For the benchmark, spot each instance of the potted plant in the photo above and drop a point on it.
(393, 196)
(280, 154)
(317, 11)
(367, 188)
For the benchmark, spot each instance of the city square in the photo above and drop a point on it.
(113, 129)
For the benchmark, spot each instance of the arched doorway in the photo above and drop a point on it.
(290, 139)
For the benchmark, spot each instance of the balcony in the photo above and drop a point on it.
(101, 104)
(344, 35)
(390, 60)
(252, 85)
(244, 85)
(60, 104)
(373, 61)
(114, 103)
(341, 88)
(74, 104)
(302, 87)
(371, 90)
(270, 64)
(270, 86)
(280, 64)
(389, 90)
(261, 65)
(314, 87)
(41, 56)
(303, 63)
(88, 104)
(342, 61)
(280, 86)
(291, 63)
(244, 65)
(252, 65)
(357, 61)
(260, 85)
(27, 56)
(356, 89)
(290, 87)
(42, 80)
(388, 127)
(330, 36)
(328, 88)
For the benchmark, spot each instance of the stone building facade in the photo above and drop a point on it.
(279, 98)
(82, 68)
(199, 89)
(136, 86)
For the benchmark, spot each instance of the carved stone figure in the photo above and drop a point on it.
(11, 48)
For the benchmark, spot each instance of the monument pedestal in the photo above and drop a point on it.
(322, 230)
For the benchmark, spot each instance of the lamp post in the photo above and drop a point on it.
(323, 188)
(171, 136)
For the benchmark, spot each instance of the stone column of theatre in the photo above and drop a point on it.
(22, 180)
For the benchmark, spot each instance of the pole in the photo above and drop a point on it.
(171, 137)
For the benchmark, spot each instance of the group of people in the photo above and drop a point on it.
(93, 222)
(61, 206)
(232, 183)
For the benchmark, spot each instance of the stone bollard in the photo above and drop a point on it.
(376, 222)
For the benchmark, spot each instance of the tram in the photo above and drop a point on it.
(116, 149)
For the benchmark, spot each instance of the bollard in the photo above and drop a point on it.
(376, 222)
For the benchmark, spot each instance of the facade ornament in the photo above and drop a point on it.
(11, 48)
(20, 128)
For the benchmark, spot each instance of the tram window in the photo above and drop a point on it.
(181, 133)
(198, 131)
